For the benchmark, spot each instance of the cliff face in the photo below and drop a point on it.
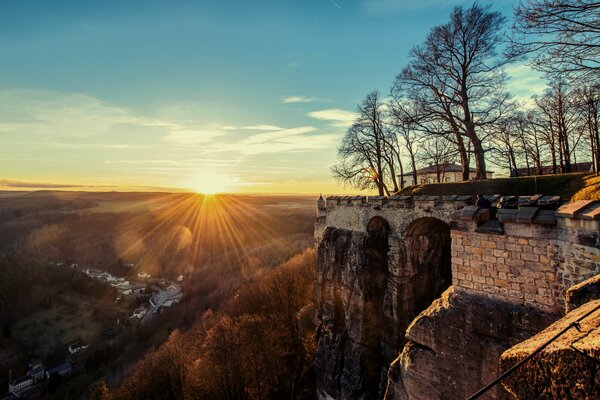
(453, 347)
(568, 367)
(367, 293)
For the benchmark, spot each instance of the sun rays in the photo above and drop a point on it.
(183, 231)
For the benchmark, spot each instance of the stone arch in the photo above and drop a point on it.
(428, 262)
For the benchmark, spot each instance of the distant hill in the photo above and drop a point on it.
(576, 186)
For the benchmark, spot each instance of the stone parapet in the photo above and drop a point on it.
(528, 255)
(397, 201)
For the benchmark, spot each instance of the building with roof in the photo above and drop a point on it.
(61, 369)
(76, 347)
(20, 385)
(139, 312)
(447, 173)
(35, 373)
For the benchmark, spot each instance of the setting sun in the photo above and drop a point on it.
(212, 183)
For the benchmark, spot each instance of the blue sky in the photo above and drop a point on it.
(251, 95)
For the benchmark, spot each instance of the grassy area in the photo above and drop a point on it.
(71, 317)
(575, 186)
(120, 206)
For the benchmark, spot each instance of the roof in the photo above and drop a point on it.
(65, 366)
(36, 369)
(549, 169)
(20, 380)
(447, 167)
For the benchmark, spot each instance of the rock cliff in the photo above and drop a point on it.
(366, 300)
(568, 368)
(453, 347)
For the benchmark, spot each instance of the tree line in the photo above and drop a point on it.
(450, 103)
(259, 344)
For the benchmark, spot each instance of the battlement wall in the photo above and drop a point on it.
(528, 256)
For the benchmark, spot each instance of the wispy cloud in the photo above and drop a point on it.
(194, 136)
(337, 117)
(298, 99)
(262, 128)
(524, 82)
(282, 140)
(336, 5)
(277, 136)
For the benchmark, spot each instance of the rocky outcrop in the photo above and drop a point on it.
(582, 293)
(453, 346)
(369, 287)
(568, 368)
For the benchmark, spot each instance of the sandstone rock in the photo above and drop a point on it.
(453, 347)
(582, 293)
(368, 289)
(568, 368)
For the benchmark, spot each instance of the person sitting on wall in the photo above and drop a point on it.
(483, 202)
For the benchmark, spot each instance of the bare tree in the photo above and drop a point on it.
(588, 100)
(504, 151)
(456, 78)
(563, 36)
(364, 156)
(561, 117)
(403, 116)
(438, 152)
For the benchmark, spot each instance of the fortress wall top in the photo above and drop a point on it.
(529, 256)
(533, 260)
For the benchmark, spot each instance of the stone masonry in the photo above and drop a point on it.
(530, 256)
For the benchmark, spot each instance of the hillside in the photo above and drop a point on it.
(576, 186)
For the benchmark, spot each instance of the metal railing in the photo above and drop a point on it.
(574, 324)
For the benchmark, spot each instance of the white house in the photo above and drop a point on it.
(76, 347)
(144, 275)
(447, 172)
(139, 312)
(169, 303)
(20, 385)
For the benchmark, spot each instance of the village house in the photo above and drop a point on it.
(170, 302)
(144, 275)
(128, 288)
(61, 369)
(76, 347)
(35, 373)
(20, 385)
(447, 173)
(139, 312)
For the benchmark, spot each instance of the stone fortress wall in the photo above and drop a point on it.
(528, 256)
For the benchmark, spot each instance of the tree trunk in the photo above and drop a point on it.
(401, 172)
(464, 156)
(480, 172)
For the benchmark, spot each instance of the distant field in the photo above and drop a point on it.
(575, 186)
(120, 206)
(71, 317)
